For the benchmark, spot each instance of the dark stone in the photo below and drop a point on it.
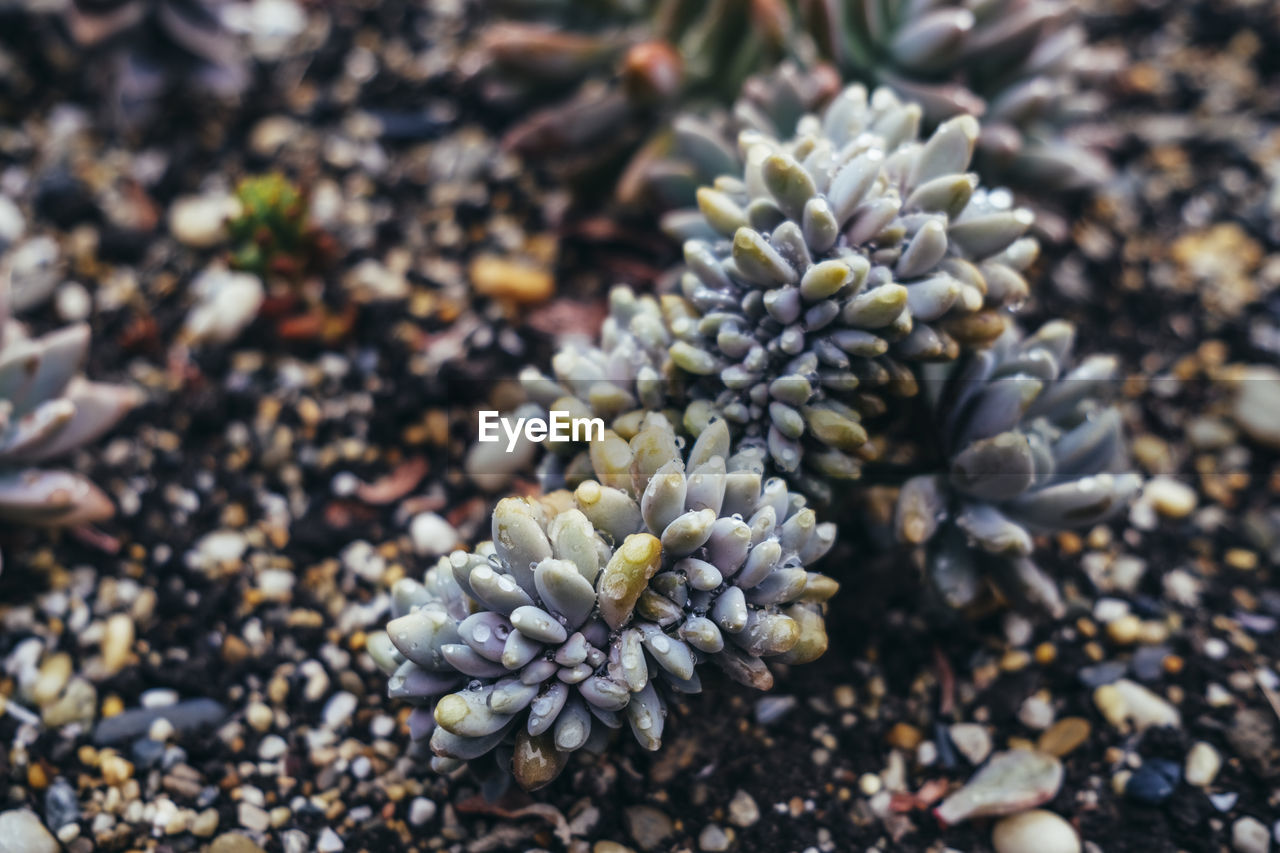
(60, 804)
(1148, 662)
(946, 749)
(64, 200)
(185, 717)
(398, 126)
(147, 753)
(1102, 673)
(1154, 781)
(123, 245)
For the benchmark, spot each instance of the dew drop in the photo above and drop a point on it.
(661, 645)
(480, 633)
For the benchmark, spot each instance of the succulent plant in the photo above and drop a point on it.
(156, 46)
(590, 610)
(48, 410)
(273, 234)
(834, 261)
(626, 374)
(1029, 448)
(606, 77)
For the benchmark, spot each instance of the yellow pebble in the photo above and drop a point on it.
(518, 281)
(112, 705)
(1124, 630)
(1239, 558)
(1046, 653)
(1014, 660)
(904, 736)
(37, 778)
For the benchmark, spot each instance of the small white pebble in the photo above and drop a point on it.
(329, 842)
(421, 811)
(869, 784)
(1216, 648)
(253, 817)
(73, 303)
(1035, 831)
(338, 710)
(1110, 609)
(1171, 498)
(1250, 835)
(432, 535)
(1203, 764)
(161, 730)
(1036, 713)
(272, 747)
(158, 697)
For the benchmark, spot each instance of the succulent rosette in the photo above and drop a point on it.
(1030, 448)
(835, 260)
(48, 410)
(589, 611)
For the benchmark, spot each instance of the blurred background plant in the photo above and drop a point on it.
(273, 235)
(601, 81)
(48, 410)
(145, 49)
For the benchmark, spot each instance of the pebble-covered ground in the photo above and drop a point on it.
(192, 676)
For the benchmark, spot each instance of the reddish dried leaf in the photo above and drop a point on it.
(395, 485)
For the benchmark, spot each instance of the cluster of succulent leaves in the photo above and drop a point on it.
(590, 610)
(836, 272)
(605, 77)
(48, 410)
(272, 234)
(813, 281)
(1030, 449)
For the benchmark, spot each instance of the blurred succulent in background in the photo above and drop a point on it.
(273, 235)
(835, 260)
(48, 410)
(1029, 448)
(155, 47)
(606, 76)
(590, 610)
(1019, 65)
